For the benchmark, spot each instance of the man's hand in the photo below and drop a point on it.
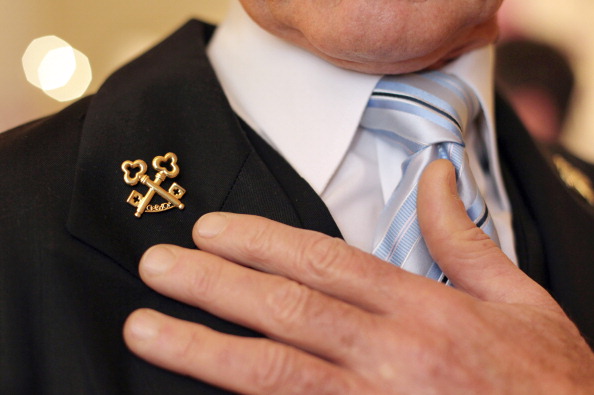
(341, 321)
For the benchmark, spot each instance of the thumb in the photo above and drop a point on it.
(470, 259)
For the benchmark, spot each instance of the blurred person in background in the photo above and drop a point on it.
(539, 81)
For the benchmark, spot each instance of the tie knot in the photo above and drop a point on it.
(404, 104)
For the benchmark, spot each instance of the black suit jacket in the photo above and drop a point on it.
(71, 243)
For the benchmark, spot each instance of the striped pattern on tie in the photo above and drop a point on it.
(426, 113)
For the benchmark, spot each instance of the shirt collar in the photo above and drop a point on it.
(307, 108)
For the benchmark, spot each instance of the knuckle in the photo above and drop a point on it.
(273, 372)
(257, 243)
(283, 370)
(185, 352)
(201, 282)
(324, 257)
(288, 303)
(474, 234)
(321, 380)
(468, 245)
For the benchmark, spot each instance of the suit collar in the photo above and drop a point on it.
(553, 223)
(153, 106)
(516, 150)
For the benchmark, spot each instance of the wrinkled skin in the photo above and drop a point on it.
(380, 36)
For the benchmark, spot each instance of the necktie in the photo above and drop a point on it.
(427, 114)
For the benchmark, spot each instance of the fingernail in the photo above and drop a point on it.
(212, 224)
(157, 260)
(144, 325)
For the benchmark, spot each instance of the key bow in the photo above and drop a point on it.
(166, 167)
(158, 164)
(128, 165)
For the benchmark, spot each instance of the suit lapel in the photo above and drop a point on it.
(511, 135)
(551, 218)
(168, 100)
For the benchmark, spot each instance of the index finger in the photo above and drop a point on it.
(316, 260)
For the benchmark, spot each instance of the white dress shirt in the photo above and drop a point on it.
(309, 111)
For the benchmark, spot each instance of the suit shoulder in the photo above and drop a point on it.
(43, 134)
(38, 159)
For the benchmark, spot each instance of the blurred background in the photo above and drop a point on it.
(549, 38)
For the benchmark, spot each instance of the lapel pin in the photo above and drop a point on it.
(166, 167)
(574, 178)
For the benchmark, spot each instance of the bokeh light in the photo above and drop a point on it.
(52, 65)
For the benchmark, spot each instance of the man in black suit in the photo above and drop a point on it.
(70, 275)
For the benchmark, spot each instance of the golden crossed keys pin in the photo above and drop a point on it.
(166, 167)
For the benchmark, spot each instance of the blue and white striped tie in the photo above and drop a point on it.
(426, 113)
